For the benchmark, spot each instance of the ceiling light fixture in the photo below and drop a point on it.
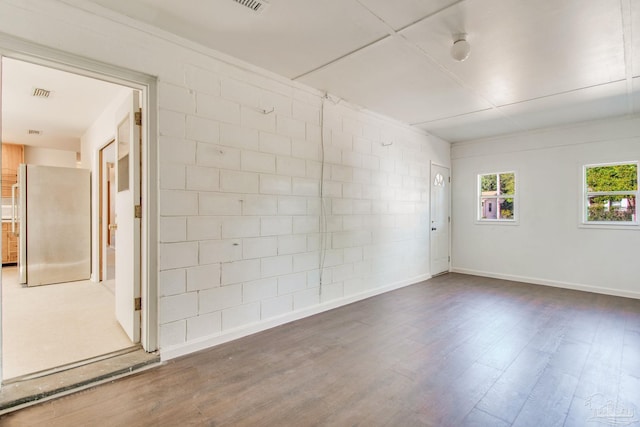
(461, 47)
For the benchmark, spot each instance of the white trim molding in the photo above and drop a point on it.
(551, 283)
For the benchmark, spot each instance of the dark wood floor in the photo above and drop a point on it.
(453, 351)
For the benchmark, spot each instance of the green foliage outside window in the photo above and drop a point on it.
(621, 181)
(506, 208)
(489, 184)
(612, 178)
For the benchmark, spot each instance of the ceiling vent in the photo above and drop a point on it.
(258, 6)
(41, 93)
(34, 132)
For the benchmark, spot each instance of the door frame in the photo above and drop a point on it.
(15, 48)
(448, 167)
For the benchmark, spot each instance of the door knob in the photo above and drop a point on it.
(113, 227)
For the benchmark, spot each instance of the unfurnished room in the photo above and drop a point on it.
(339, 212)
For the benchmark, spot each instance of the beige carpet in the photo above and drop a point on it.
(44, 327)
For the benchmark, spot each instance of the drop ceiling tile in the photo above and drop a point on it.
(400, 13)
(391, 78)
(582, 105)
(635, 96)
(471, 126)
(522, 50)
(291, 37)
(635, 36)
(528, 49)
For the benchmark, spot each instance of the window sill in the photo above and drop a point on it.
(497, 222)
(605, 226)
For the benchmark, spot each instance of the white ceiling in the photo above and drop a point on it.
(75, 102)
(533, 63)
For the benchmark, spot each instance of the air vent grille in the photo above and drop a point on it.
(41, 93)
(257, 6)
(34, 132)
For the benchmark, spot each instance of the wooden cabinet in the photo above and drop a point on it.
(9, 245)
(12, 156)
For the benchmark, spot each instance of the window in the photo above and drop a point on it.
(497, 196)
(610, 194)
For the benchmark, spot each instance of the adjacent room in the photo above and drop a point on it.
(347, 212)
(58, 309)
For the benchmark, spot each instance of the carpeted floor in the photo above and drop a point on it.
(49, 326)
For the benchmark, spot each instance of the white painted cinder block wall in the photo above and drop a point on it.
(241, 217)
(548, 246)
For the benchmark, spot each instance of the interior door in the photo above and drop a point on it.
(440, 219)
(107, 211)
(127, 223)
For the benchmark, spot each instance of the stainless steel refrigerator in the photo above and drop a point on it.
(52, 216)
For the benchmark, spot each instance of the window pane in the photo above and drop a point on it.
(506, 208)
(612, 178)
(489, 184)
(123, 173)
(497, 196)
(507, 183)
(612, 208)
(123, 155)
(489, 208)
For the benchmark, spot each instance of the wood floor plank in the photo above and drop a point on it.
(628, 400)
(508, 395)
(549, 402)
(477, 418)
(456, 350)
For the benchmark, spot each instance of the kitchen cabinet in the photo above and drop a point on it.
(9, 244)
(12, 156)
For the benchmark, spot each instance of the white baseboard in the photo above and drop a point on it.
(236, 333)
(552, 283)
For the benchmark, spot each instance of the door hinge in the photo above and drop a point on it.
(137, 304)
(138, 117)
(137, 211)
(449, 220)
(449, 259)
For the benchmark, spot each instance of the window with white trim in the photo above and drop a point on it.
(611, 193)
(497, 196)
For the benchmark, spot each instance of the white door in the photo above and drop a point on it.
(127, 225)
(440, 219)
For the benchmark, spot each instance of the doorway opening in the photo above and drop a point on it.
(63, 123)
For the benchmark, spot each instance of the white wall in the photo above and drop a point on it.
(101, 132)
(548, 245)
(48, 157)
(241, 246)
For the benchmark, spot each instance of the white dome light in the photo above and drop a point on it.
(460, 49)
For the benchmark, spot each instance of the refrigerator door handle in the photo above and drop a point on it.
(14, 209)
